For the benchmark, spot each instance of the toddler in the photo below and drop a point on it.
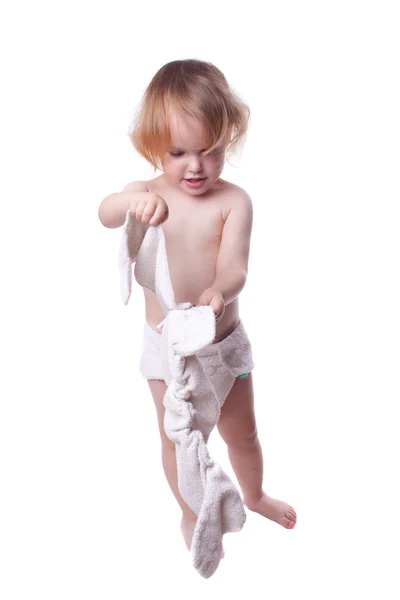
(186, 126)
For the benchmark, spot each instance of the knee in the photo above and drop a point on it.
(243, 442)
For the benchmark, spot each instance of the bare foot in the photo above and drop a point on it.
(276, 510)
(187, 528)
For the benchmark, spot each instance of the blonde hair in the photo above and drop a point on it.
(198, 89)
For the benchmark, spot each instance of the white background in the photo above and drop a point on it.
(85, 510)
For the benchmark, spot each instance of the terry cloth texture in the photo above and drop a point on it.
(220, 361)
(193, 397)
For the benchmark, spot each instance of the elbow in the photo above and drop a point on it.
(103, 213)
(101, 216)
(241, 274)
(242, 277)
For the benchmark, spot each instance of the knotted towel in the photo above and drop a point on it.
(192, 400)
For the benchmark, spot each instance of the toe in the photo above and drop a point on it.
(289, 524)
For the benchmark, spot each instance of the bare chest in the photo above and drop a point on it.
(193, 234)
(193, 230)
(193, 238)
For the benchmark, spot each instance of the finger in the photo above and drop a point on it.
(148, 211)
(215, 306)
(133, 207)
(157, 216)
(166, 214)
(139, 209)
(220, 314)
(203, 303)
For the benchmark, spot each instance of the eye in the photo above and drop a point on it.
(176, 154)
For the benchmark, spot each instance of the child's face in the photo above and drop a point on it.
(185, 161)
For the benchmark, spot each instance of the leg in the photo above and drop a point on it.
(189, 518)
(237, 426)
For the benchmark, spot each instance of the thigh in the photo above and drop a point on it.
(237, 422)
(158, 389)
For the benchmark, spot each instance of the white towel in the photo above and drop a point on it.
(192, 400)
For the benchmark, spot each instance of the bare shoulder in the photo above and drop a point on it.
(151, 185)
(232, 190)
(236, 199)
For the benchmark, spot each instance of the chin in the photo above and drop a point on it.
(196, 192)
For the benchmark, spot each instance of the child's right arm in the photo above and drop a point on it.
(146, 206)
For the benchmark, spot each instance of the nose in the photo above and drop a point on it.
(195, 164)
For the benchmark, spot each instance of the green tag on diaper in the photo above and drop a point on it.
(244, 376)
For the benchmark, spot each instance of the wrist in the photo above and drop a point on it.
(113, 209)
(229, 283)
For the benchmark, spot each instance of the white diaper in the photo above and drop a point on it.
(222, 362)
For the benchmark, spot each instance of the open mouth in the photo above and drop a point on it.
(195, 181)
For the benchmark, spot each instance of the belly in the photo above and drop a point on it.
(192, 254)
(191, 273)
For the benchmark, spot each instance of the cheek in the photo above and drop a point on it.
(176, 169)
(218, 160)
(217, 165)
(171, 168)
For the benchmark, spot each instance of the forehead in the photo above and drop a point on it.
(186, 132)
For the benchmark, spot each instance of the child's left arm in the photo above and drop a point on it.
(233, 256)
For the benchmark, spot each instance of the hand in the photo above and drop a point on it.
(150, 208)
(215, 299)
